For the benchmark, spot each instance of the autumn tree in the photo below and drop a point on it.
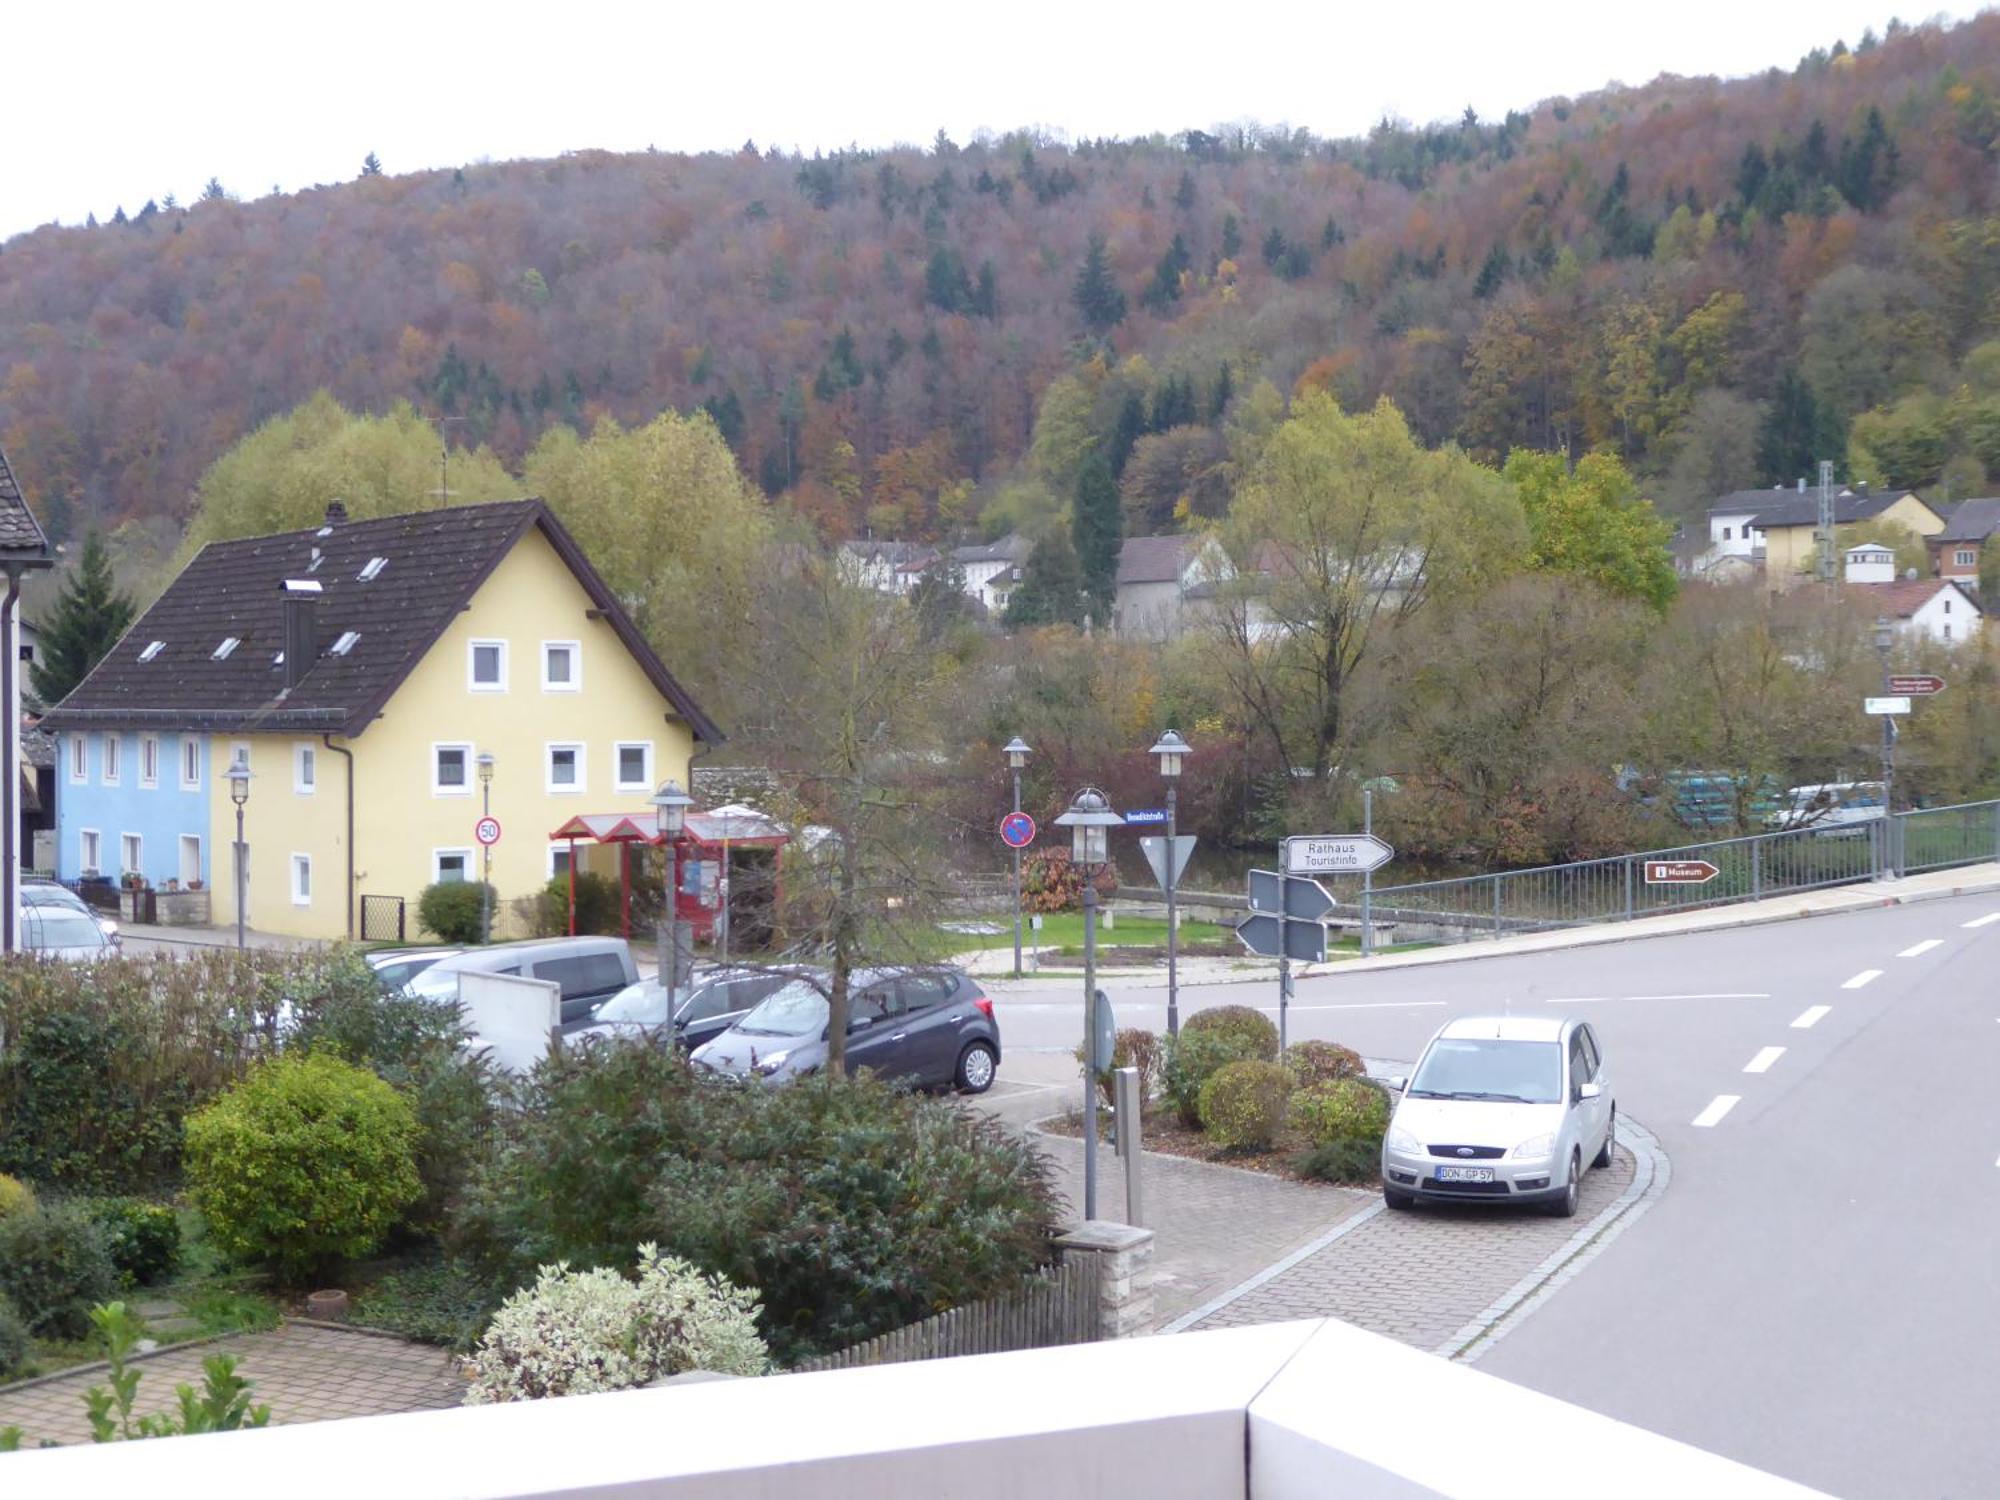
(85, 622)
(1591, 524)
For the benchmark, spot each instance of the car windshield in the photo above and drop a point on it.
(58, 927)
(1489, 1068)
(641, 1004)
(434, 984)
(798, 1009)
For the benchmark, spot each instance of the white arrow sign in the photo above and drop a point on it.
(1886, 705)
(1334, 854)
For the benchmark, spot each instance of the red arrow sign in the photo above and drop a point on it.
(1921, 686)
(1680, 872)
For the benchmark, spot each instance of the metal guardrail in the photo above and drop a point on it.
(1749, 868)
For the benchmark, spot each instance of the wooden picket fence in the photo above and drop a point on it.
(1059, 1307)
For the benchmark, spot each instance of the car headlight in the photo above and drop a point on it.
(1399, 1139)
(1534, 1150)
(764, 1067)
(107, 926)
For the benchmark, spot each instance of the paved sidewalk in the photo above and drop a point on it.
(303, 1372)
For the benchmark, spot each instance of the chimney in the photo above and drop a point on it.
(301, 629)
(1802, 484)
(1861, 488)
(336, 512)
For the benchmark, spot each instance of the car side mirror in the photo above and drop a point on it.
(856, 1023)
(1589, 1091)
(1398, 1084)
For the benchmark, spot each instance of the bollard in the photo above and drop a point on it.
(1128, 1104)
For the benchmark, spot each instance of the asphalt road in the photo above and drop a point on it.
(1816, 1292)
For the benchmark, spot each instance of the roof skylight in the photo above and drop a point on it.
(153, 649)
(229, 644)
(372, 569)
(346, 642)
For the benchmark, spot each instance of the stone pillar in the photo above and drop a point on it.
(1124, 1273)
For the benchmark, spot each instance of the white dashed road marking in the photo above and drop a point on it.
(1866, 976)
(1719, 1106)
(1761, 1063)
(1991, 916)
(1810, 1016)
(1917, 950)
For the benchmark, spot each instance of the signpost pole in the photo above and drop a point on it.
(1885, 639)
(1017, 881)
(1173, 926)
(1284, 950)
(1090, 1044)
(1367, 876)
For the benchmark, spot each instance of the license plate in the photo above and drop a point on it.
(1464, 1174)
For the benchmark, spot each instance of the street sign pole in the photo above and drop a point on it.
(1173, 925)
(1367, 875)
(1017, 879)
(1284, 957)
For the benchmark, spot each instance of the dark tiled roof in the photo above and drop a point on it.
(1971, 521)
(435, 561)
(19, 532)
(1848, 507)
(1153, 559)
(1011, 548)
(1748, 502)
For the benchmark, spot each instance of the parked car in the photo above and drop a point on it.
(396, 967)
(589, 970)
(933, 1028)
(53, 893)
(64, 934)
(713, 1000)
(1501, 1109)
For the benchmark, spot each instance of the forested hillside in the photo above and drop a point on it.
(1719, 280)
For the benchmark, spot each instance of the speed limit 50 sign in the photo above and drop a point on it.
(487, 831)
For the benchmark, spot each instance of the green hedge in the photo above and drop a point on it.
(54, 1268)
(1244, 1103)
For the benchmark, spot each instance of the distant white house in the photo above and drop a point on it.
(1159, 577)
(1938, 609)
(993, 569)
(888, 567)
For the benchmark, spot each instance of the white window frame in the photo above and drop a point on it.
(472, 650)
(645, 781)
(302, 894)
(149, 751)
(79, 759)
(180, 852)
(549, 782)
(191, 756)
(439, 856)
(557, 852)
(1964, 557)
(438, 788)
(575, 683)
(136, 842)
(110, 758)
(305, 767)
(89, 852)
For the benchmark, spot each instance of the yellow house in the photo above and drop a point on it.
(1789, 526)
(367, 670)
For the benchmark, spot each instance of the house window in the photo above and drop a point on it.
(1947, 606)
(1725, 533)
(190, 763)
(487, 667)
(1947, 630)
(190, 860)
(131, 851)
(89, 851)
(450, 865)
(304, 768)
(149, 760)
(558, 860)
(302, 880)
(112, 745)
(565, 768)
(634, 765)
(79, 763)
(451, 770)
(1965, 557)
(562, 666)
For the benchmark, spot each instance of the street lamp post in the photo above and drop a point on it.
(1885, 639)
(1090, 821)
(1171, 750)
(1017, 752)
(670, 806)
(484, 760)
(239, 793)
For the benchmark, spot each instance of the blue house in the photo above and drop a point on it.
(130, 802)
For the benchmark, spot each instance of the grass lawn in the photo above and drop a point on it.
(1064, 930)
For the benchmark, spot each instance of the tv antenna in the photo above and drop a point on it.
(444, 491)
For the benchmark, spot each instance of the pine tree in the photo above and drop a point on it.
(1131, 427)
(86, 621)
(214, 192)
(1274, 247)
(986, 294)
(1184, 194)
(1097, 294)
(1492, 272)
(1166, 287)
(371, 165)
(1798, 431)
(1051, 593)
(1232, 237)
(1097, 528)
(1218, 399)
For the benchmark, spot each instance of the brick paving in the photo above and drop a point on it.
(1422, 1276)
(302, 1372)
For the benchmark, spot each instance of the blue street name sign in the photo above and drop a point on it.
(1147, 815)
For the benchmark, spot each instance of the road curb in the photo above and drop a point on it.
(1653, 1171)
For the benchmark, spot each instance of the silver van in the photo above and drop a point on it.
(587, 970)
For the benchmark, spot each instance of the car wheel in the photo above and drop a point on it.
(1565, 1206)
(976, 1065)
(1603, 1157)
(1397, 1199)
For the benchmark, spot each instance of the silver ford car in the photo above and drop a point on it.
(1501, 1109)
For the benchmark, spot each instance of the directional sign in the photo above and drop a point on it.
(1921, 685)
(1885, 705)
(1294, 896)
(1017, 830)
(1305, 942)
(1155, 850)
(1334, 854)
(1680, 872)
(1147, 815)
(487, 831)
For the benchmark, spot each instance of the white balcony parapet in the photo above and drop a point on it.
(1318, 1409)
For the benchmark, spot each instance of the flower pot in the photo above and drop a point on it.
(327, 1307)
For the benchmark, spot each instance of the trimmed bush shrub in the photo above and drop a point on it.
(54, 1269)
(13, 1340)
(1243, 1103)
(1322, 1062)
(16, 1197)
(575, 1332)
(1342, 1107)
(1050, 881)
(1130, 1048)
(546, 913)
(1193, 1057)
(1346, 1158)
(309, 1161)
(1255, 1032)
(451, 909)
(143, 1239)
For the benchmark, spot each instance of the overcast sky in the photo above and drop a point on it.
(109, 102)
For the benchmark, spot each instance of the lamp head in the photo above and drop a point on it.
(1017, 752)
(484, 760)
(1170, 750)
(239, 778)
(671, 805)
(1885, 634)
(1090, 820)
